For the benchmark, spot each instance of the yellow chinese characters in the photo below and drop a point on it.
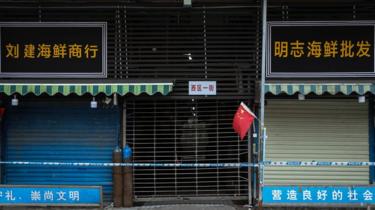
(13, 50)
(363, 49)
(322, 49)
(281, 49)
(29, 51)
(44, 51)
(296, 49)
(330, 49)
(91, 50)
(347, 49)
(59, 51)
(51, 51)
(75, 50)
(315, 49)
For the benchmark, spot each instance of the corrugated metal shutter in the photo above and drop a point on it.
(221, 43)
(71, 132)
(320, 130)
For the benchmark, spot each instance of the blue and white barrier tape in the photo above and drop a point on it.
(161, 165)
(317, 163)
(193, 165)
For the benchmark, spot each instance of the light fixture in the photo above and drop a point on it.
(187, 3)
(189, 56)
(15, 101)
(107, 100)
(301, 97)
(361, 99)
(115, 101)
(94, 104)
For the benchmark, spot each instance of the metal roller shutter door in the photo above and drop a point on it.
(61, 132)
(186, 131)
(320, 130)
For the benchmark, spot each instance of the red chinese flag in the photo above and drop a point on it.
(242, 120)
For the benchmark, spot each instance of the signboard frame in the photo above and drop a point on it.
(100, 204)
(102, 74)
(315, 75)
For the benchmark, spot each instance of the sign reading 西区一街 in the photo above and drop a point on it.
(330, 49)
(53, 49)
(203, 88)
(50, 195)
(318, 195)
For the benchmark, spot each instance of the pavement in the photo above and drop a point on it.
(151, 207)
(179, 207)
(184, 207)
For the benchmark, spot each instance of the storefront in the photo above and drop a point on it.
(60, 123)
(126, 80)
(317, 129)
(319, 114)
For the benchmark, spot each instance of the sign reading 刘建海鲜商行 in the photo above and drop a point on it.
(53, 50)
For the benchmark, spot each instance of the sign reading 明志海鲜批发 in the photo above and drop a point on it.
(53, 49)
(50, 195)
(319, 195)
(320, 49)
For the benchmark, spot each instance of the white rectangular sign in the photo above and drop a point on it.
(199, 88)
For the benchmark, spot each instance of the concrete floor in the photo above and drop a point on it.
(181, 206)
(147, 206)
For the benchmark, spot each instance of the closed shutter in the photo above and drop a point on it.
(320, 130)
(186, 131)
(61, 132)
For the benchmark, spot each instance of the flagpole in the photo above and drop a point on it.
(249, 170)
(262, 98)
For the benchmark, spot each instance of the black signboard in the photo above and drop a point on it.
(53, 50)
(320, 49)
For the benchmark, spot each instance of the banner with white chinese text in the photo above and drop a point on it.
(319, 195)
(55, 195)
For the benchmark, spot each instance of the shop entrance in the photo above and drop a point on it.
(186, 131)
(60, 131)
